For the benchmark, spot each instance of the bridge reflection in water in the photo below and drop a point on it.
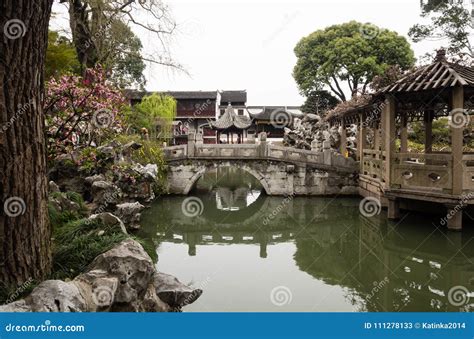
(336, 259)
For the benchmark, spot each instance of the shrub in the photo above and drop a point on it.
(150, 153)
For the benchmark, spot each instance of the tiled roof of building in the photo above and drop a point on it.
(231, 120)
(270, 112)
(233, 97)
(175, 94)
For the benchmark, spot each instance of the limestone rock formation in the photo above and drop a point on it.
(105, 193)
(130, 214)
(311, 131)
(173, 292)
(122, 279)
(110, 220)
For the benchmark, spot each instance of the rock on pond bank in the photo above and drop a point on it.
(122, 279)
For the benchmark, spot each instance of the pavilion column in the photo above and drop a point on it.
(457, 140)
(404, 134)
(343, 133)
(428, 119)
(383, 123)
(362, 144)
(377, 141)
(389, 136)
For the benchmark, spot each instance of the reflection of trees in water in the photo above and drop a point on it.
(390, 269)
(382, 267)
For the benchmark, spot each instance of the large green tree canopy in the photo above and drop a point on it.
(345, 58)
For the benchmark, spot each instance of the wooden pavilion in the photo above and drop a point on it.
(230, 124)
(394, 175)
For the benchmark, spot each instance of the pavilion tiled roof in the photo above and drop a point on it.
(231, 120)
(352, 106)
(440, 74)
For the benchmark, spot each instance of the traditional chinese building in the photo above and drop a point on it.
(238, 100)
(272, 119)
(234, 126)
(194, 111)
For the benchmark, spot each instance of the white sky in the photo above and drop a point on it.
(248, 44)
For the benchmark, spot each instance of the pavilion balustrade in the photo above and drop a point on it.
(372, 164)
(468, 173)
(420, 171)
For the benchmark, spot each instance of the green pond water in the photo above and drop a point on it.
(251, 252)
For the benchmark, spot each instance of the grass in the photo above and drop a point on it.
(77, 241)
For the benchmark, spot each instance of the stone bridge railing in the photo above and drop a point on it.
(261, 150)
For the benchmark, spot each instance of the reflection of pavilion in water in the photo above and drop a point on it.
(392, 270)
(233, 188)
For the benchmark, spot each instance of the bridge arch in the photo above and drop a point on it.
(245, 167)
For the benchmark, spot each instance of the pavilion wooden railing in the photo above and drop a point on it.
(373, 164)
(468, 172)
(422, 171)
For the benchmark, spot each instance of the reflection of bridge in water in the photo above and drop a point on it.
(384, 268)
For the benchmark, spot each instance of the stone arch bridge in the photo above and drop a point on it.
(280, 170)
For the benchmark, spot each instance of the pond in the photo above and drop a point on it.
(251, 252)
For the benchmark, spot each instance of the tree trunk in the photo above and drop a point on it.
(82, 37)
(25, 233)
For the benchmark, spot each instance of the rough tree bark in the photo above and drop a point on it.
(25, 234)
(81, 33)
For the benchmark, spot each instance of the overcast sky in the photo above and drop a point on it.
(248, 44)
